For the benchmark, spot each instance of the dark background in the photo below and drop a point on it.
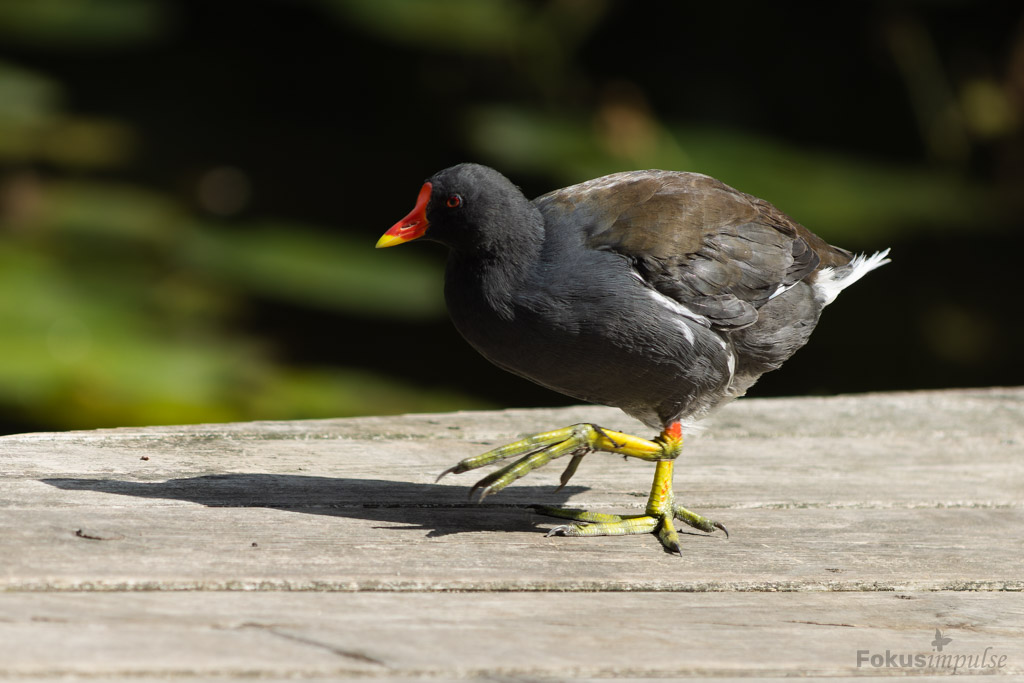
(190, 191)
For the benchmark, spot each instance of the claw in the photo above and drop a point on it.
(668, 535)
(445, 473)
(570, 470)
(485, 486)
(577, 441)
(697, 521)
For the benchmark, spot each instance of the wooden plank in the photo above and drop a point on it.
(324, 548)
(937, 448)
(817, 504)
(500, 549)
(521, 635)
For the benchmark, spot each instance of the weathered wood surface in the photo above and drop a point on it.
(324, 548)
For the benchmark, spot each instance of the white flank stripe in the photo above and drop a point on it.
(687, 332)
(781, 289)
(680, 310)
(676, 307)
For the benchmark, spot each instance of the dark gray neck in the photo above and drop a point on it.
(491, 272)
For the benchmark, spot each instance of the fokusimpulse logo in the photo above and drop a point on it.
(977, 662)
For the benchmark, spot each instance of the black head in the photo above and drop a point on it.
(468, 207)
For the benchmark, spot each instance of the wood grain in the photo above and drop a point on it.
(325, 548)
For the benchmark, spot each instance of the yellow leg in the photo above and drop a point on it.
(660, 511)
(540, 449)
(578, 440)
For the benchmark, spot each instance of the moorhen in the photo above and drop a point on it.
(666, 294)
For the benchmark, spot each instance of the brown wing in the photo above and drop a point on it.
(717, 251)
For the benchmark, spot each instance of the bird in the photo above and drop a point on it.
(664, 293)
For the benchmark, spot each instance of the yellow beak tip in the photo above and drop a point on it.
(389, 241)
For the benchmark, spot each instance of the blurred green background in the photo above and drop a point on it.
(190, 190)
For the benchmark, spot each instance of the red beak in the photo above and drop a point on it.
(410, 227)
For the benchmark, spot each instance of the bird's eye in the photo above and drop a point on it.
(453, 202)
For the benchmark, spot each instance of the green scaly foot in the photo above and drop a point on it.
(578, 440)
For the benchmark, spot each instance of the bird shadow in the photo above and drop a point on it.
(439, 509)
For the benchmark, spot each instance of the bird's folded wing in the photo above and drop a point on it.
(717, 251)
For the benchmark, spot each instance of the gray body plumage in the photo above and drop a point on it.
(665, 294)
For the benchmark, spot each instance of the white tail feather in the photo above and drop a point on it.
(830, 281)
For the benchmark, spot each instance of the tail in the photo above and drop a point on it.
(830, 281)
